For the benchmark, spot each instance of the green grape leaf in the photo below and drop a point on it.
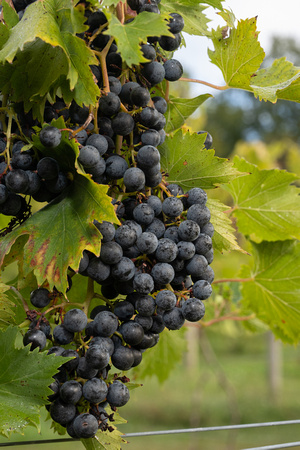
(223, 238)
(238, 56)
(187, 163)
(267, 82)
(24, 380)
(292, 92)
(267, 206)
(10, 15)
(179, 109)
(195, 21)
(273, 291)
(104, 440)
(4, 34)
(32, 67)
(41, 53)
(129, 36)
(7, 314)
(59, 232)
(162, 358)
(80, 75)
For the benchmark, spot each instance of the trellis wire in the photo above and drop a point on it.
(224, 427)
(276, 446)
(186, 430)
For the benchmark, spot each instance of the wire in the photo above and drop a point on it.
(274, 447)
(39, 441)
(226, 427)
(186, 430)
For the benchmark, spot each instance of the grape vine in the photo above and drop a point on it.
(103, 202)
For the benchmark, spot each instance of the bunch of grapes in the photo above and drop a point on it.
(154, 268)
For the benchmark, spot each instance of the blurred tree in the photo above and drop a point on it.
(237, 115)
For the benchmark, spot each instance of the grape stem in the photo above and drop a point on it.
(167, 93)
(103, 298)
(85, 125)
(233, 280)
(61, 305)
(165, 189)
(193, 80)
(102, 56)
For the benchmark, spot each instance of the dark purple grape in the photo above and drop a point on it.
(62, 412)
(75, 320)
(122, 358)
(105, 323)
(123, 124)
(50, 137)
(173, 319)
(71, 392)
(85, 426)
(62, 336)
(118, 394)
(132, 332)
(193, 309)
(40, 297)
(36, 338)
(173, 70)
(95, 390)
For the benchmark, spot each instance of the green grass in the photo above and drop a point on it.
(202, 394)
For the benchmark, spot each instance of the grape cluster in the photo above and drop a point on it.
(154, 268)
(28, 174)
(154, 273)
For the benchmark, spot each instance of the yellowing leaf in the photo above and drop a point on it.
(268, 82)
(238, 56)
(59, 232)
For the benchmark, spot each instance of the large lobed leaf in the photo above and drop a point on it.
(187, 163)
(59, 232)
(274, 290)
(267, 206)
(129, 36)
(24, 380)
(239, 57)
(54, 237)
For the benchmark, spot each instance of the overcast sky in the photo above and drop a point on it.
(274, 18)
